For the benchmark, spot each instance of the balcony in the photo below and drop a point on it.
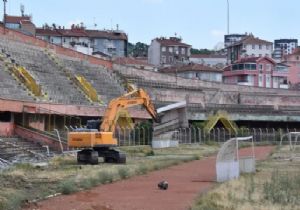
(243, 66)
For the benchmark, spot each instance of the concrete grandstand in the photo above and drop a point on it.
(62, 99)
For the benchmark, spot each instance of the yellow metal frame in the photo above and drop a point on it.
(79, 80)
(225, 120)
(27, 79)
(87, 88)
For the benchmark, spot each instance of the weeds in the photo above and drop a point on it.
(105, 177)
(63, 175)
(142, 169)
(13, 202)
(283, 188)
(123, 172)
(68, 187)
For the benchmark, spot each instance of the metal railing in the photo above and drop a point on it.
(87, 88)
(194, 135)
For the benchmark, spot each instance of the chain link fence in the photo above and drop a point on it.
(193, 135)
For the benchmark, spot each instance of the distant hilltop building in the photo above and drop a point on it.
(213, 60)
(104, 43)
(249, 46)
(257, 72)
(230, 39)
(284, 47)
(167, 52)
(20, 23)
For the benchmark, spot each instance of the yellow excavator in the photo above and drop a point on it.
(96, 142)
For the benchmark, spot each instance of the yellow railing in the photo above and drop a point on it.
(25, 77)
(79, 80)
(225, 120)
(87, 88)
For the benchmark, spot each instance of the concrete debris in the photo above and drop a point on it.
(163, 185)
(16, 150)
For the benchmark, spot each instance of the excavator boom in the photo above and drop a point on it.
(97, 143)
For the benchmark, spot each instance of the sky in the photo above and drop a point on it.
(201, 23)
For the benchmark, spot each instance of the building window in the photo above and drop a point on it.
(267, 47)
(182, 51)
(163, 59)
(297, 58)
(253, 55)
(260, 55)
(171, 49)
(260, 46)
(260, 67)
(163, 49)
(171, 59)
(267, 55)
(253, 46)
(268, 67)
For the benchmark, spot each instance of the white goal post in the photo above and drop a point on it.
(230, 163)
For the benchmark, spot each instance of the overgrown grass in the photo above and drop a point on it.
(68, 186)
(276, 186)
(283, 188)
(64, 175)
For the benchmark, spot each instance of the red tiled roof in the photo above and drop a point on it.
(48, 31)
(171, 42)
(253, 60)
(79, 32)
(107, 34)
(190, 67)
(72, 32)
(207, 56)
(251, 40)
(16, 19)
(26, 22)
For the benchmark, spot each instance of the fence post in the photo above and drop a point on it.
(267, 134)
(199, 134)
(254, 134)
(274, 135)
(260, 134)
(143, 129)
(190, 135)
(224, 134)
(124, 136)
(218, 135)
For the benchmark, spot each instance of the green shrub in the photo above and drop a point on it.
(68, 187)
(105, 177)
(13, 202)
(123, 172)
(142, 169)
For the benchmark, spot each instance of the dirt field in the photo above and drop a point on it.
(186, 181)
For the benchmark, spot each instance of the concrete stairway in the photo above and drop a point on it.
(10, 87)
(17, 150)
(58, 87)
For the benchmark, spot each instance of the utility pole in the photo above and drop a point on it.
(227, 16)
(4, 15)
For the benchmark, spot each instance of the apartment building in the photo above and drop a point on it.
(258, 72)
(249, 46)
(167, 52)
